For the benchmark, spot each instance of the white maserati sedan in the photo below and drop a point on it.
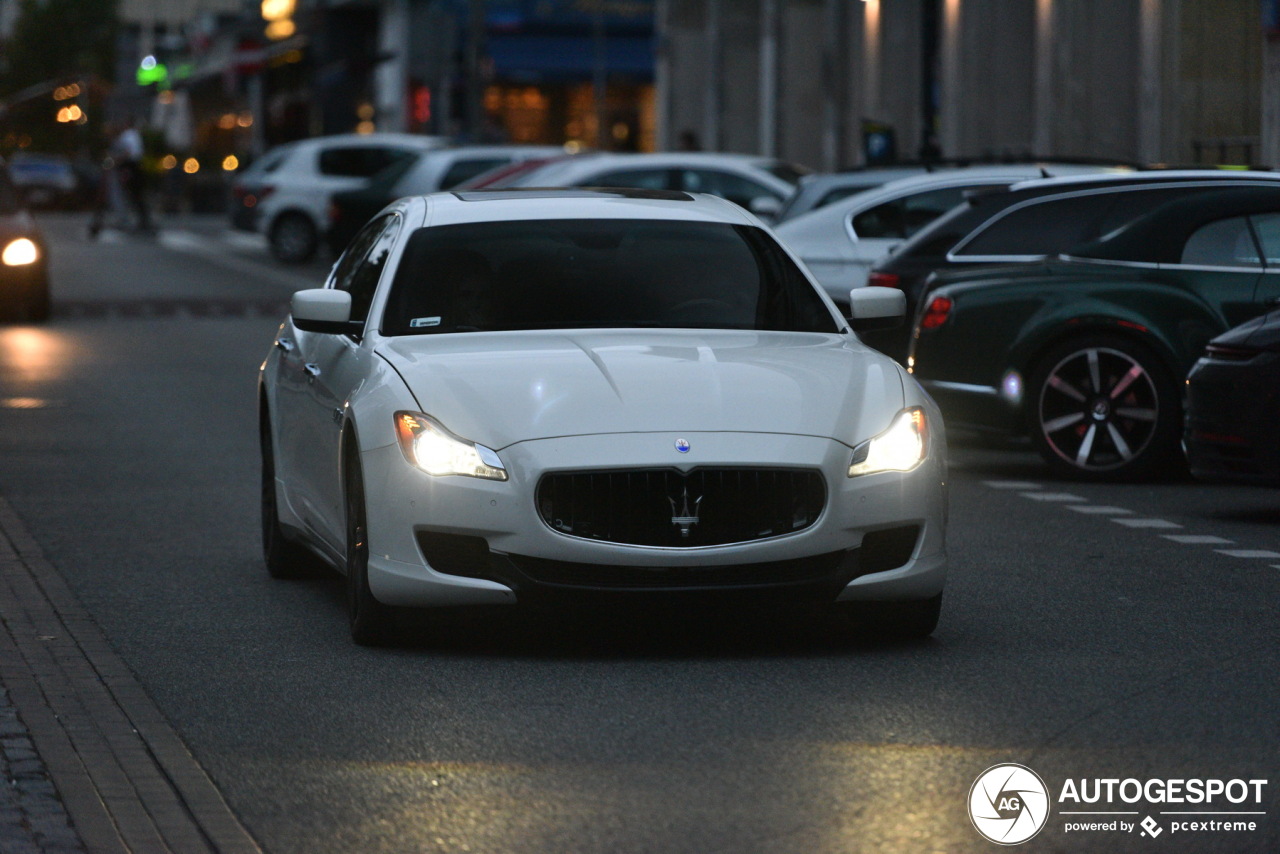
(592, 396)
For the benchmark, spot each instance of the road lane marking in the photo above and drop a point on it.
(1148, 523)
(189, 243)
(1100, 509)
(1080, 504)
(1011, 484)
(1062, 497)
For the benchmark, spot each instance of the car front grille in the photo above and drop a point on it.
(666, 507)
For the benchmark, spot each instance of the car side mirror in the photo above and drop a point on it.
(324, 310)
(876, 308)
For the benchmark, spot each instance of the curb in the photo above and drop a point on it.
(127, 781)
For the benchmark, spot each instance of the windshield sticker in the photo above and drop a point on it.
(419, 322)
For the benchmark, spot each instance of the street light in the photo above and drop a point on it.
(279, 17)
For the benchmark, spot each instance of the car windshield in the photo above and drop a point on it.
(575, 274)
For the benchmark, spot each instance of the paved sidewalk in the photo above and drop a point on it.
(88, 761)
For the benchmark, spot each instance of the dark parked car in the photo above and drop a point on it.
(1031, 220)
(1233, 405)
(45, 181)
(24, 267)
(1087, 352)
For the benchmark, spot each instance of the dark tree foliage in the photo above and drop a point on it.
(54, 39)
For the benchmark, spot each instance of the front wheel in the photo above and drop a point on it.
(371, 621)
(283, 557)
(1104, 408)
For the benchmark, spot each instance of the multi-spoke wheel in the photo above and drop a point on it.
(1104, 408)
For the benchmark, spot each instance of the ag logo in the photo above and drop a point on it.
(1008, 804)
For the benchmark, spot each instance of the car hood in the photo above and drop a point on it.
(505, 387)
(1262, 332)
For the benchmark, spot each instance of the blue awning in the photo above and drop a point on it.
(536, 58)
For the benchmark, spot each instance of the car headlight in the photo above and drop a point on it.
(20, 252)
(900, 448)
(432, 448)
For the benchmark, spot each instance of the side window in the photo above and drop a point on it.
(1041, 228)
(1131, 204)
(361, 265)
(1225, 243)
(903, 217)
(884, 220)
(639, 179)
(726, 185)
(1267, 227)
(359, 161)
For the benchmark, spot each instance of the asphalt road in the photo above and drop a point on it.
(1078, 637)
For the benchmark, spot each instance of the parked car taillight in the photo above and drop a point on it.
(249, 197)
(335, 213)
(884, 280)
(937, 312)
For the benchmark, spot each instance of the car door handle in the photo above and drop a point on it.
(313, 371)
(285, 344)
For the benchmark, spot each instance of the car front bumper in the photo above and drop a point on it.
(878, 537)
(1231, 414)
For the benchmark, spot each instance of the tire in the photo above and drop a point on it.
(293, 238)
(912, 620)
(372, 623)
(284, 558)
(1102, 407)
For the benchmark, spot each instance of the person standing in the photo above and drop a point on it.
(127, 153)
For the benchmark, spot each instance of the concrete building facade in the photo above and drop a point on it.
(1176, 81)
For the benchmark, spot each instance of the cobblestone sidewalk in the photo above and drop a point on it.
(32, 817)
(87, 761)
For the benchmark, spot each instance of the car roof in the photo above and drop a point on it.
(1159, 236)
(584, 164)
(930, 180)
(412, 140)
(1146, 176)
(451, 208)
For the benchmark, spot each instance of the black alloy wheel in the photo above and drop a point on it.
(372, 623)
(1104, 408)
(910, 620)
(293, 238)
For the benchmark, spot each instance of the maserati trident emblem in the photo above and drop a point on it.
(684, 518)
(682, 445)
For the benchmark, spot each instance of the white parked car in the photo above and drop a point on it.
(759, 184)
(841, 242)
(284, 195)
(428, 172)
(519, 396)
